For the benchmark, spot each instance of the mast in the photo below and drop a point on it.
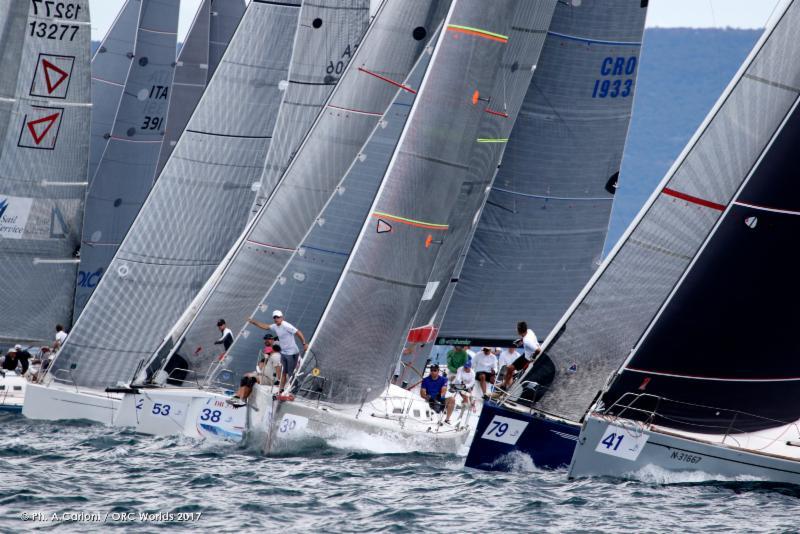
(392, 45)
(126, 170)
(386, 274)
(45, 111)
(613, 311)
(195, 210)
(208, 37)
(542, 230)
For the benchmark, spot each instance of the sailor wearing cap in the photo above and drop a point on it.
(433, 388)
(286, 333)
(226, 339)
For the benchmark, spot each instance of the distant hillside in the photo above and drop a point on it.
(681, 75)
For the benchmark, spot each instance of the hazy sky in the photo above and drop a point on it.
(663, 13)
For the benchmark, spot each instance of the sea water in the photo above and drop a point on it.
(69, 477)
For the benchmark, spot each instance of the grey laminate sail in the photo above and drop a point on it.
(542, 231)
(602, 326)
(327, 38)
(391, 47)
(520, 61)
(110, 66)
(306, 283)
(44, 118)
(386, 275)
(196, 209)
(127, 168)
(208, 37)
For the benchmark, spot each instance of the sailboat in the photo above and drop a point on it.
(342, 384)
(189, 221)
(44, 147)
(126, 169)
(546, 218)
(389, 49)
(45, 110)
(695, 394)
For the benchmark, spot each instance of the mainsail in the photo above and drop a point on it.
(613, 311)
(44, 118)
(390, 48)
(127, 168)
(721, 353)
(541, 233)
(110, 66)
(365, 323)
(328, 36)
(196, 209)
(208, 37)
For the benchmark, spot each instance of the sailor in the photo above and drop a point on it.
(17, 355)
(249, 380)
(10, 362)
(485, 368)
(465, 382)
(507, 358)
(226, 339)
(530, 347)
(286, 333)
(456, 358)
(434, 389)
(61, 337)
(273, 357)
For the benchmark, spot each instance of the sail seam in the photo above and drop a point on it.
(712, 378)
(478, 33)
(387, 80)
(772, 83)
(594, 41)
(694, 200)
(765, 208)
(547, 197)
(388, 280)
(230, 135)
(410, 222)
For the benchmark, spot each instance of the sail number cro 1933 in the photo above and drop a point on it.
(617, 75)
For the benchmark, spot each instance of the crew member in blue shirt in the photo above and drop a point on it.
(434, 390)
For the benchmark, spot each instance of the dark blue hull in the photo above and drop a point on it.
(10, 408)
(548, 442)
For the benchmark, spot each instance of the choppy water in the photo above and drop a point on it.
(90, 469)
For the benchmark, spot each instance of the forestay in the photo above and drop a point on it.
(206, 42)
(389, 50)
(362, 330)
(44, 120)
(110, 66)
(196, 209)
(127, 168)
(541, 233)
(721, 353)
(327, 39)
(614, 309)
(520, 61)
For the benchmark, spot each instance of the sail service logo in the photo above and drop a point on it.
(14, 214)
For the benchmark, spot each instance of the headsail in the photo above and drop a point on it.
(721, 354)
(392, 45)
(127, 168)
(541, 233)
(206, 42)
(110, 66)
(386, 274)
(329, 35)
(196, 209)
(44, 118)
(613, 311)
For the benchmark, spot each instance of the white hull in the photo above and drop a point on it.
(641, 448)
(12, 391)
(59, 402)
(398, 421)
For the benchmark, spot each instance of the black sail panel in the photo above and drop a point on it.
(727, 338)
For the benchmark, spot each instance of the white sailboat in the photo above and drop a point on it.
(342, 383)
(691, 396)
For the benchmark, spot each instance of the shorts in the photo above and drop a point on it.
(489, 376)
(248, 381)
(437, 404)
(288, 363)
(520, 363)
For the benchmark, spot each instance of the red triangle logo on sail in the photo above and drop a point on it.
(41, 127)
(383, 226)
(53, 76)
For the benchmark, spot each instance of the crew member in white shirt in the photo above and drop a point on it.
(465, 377)
(506, 359)
(531, 349)
(61, 337)
(485, 363)
(286, 333)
